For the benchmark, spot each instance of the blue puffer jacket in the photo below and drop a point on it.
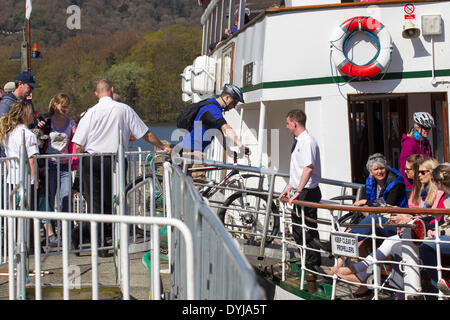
(393, 178)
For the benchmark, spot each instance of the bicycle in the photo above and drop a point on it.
(243, 210)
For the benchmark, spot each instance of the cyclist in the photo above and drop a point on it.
(416, 142)
(209, 117)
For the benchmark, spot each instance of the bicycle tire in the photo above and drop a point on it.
(139, 179)
(232, 183)
(129, 186)
(225, 213)
(353, 217)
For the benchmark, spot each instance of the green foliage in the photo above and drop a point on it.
(143, 67)
(127, 77)
(97, 16)
(142, 46)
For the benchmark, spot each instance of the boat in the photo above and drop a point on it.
(358, 94)
(359, 70)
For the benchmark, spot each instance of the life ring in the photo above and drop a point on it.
(377, 32)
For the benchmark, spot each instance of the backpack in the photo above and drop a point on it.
(186, 119)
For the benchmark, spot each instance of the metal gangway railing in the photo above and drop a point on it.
(22, 228)
(332, 210)
(222, 272)
(410, 264)
(184, 213)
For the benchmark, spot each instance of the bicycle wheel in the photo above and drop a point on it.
(245, 211)
(250, 181)
(353, 217)
(139, 204)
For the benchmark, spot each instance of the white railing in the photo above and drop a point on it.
(94, 219)
(222, 271)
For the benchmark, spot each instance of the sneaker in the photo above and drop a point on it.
(52, 241)
(444, 286)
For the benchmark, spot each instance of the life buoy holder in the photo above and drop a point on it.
(377, 32)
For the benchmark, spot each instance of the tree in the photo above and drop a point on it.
(126, 78)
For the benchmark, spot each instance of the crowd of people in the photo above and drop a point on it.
(422, 183)
(56, 133)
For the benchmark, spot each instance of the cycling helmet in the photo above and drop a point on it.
(424, 119)
(233, 91)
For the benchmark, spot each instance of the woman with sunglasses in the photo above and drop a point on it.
(428, 253)
(412, 174)
(425, 194)
(416, 142)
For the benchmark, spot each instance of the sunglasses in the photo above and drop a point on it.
(423, 171)
(408, 169)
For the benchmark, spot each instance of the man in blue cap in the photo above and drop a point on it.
(25, 83)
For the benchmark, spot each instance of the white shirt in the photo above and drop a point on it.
(306, 152)
(13, 141)
(98, 130)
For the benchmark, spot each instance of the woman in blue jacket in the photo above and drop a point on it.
(384, 186)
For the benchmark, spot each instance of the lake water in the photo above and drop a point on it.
(162, 132)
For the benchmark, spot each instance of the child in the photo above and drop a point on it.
(12, 125)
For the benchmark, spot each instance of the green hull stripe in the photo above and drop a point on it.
(341, 79)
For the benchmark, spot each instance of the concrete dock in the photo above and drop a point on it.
(81, 278)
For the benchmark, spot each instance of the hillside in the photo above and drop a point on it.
(141, 45)
(49, 18)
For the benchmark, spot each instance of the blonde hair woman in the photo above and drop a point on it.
(429, 192)
(428, 251)
(12, 125)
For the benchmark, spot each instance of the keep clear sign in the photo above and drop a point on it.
(344, 244)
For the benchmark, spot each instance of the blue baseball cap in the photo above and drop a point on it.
(28, 78)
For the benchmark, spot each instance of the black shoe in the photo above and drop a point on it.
(104, 253)
(362, 292)
(53, 241)
(75, 240)
(325, 246)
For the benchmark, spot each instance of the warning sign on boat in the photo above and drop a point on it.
(409, 11)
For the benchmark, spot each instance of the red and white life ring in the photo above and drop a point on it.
(377, 31)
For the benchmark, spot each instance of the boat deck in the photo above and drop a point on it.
(270, 270)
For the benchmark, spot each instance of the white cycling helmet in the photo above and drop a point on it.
(233, 91)
(424, 119)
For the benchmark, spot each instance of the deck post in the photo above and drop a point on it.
(410, 256)
(262, 124)
(124, 264)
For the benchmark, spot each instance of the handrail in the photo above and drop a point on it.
(189, 246)
(201, 209)
(397, 210)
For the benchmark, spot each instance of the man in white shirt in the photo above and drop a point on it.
(98, 132)
(304, 179)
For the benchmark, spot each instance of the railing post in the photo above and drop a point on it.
(124, 266)
(242, 13)
(155, 245)
(410, 256)
(167, 171)
(21, 265)
(267, 217)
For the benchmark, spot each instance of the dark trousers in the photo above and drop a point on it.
(98, 190)
(101, 199)
(312, 195)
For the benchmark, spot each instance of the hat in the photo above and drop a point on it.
(9, 87)
(28, 78)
